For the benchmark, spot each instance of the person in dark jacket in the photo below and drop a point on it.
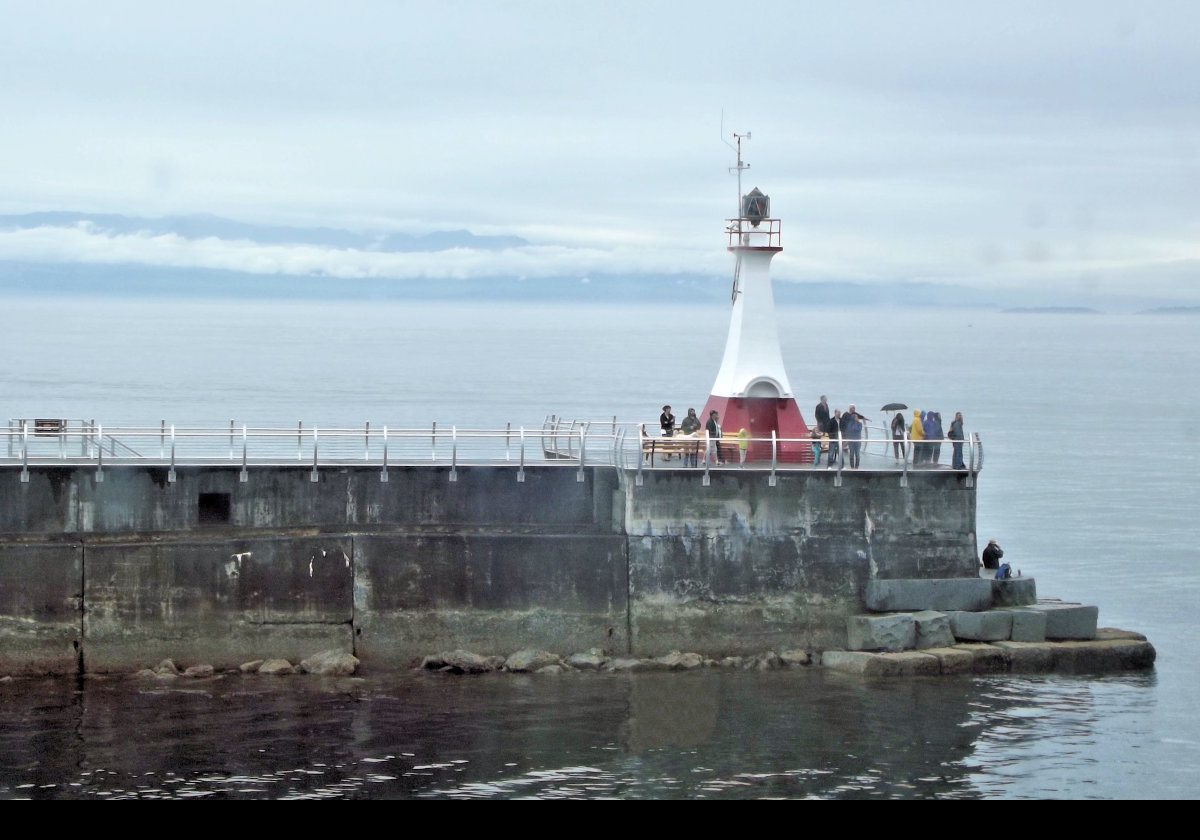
(898, 436)
(822, 415)
(957, 436)
(992, 555)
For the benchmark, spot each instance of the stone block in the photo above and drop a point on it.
(1028, 625)
(1014, 592)
(987, 659)
(989, 626)
(953, 660)
(909, 663)
(1068, 621)
(1029, 657)
(847, 661)
(933, 629)
(928, 594)
(897, 631)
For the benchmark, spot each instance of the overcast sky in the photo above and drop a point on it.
(1005, 144)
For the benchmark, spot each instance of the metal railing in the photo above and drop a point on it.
(559, 442)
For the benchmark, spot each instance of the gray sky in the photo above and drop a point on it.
(1046, 144)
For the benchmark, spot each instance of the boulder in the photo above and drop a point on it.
(1014, 592)
(333, 663)
(277, 667)
(589, 661)
(199, 671)
(529, 660)
(676, 661)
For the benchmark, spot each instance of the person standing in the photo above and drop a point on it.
(916, 433)
(852, 431)
(898, 436)
(957, 437)
(835, 437)
(666, 422)
(712, 452)
(690, 427)
(938, 435)
(821, 412)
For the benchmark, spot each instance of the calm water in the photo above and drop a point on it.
(1089, 484)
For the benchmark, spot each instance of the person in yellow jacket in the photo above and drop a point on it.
(916, 434)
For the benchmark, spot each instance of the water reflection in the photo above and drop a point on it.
(708, 734)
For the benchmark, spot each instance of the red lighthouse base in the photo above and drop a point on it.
(760, 416)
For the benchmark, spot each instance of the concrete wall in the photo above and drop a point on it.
(117, 574)
(741, 566)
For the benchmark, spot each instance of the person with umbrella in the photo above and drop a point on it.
(897, 428)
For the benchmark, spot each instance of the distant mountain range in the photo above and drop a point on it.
(203, 226)
(100, 261)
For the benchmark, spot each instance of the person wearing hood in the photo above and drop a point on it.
(935, 450)
(930, 429)
(917, 435)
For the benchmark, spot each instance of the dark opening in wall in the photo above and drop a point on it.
(215, 508)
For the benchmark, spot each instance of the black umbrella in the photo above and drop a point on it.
(894, 407)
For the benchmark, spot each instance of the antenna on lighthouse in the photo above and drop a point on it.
(741, 165)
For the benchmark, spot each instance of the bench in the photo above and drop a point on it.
(665, 447)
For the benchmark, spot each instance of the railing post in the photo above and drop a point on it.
(508, 441)
(171, 471)
(433, 443)
(300, 440)
(314, 476)
(162, 439)
(383, 474)
(583, 430)
(771, 479)
(230, 440)
(367, 442)
(521, 466)
(453, 453)
(904, 458)
(244, 476)
(25, 451)
(100, 455)
(706, 480)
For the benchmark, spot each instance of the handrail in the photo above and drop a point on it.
(562, 442)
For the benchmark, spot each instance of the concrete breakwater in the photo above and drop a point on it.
(223, 566)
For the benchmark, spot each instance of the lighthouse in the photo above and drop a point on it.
(752, 390)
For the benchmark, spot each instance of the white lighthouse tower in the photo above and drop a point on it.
(752, 390)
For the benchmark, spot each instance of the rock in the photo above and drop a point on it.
(634, 665)
(529, 660)
(797, 657)
(145, 673)
(676, 661)
(330, 663)
(277, 667)
(465, 662)
(731, 662)
(199, 671)
(551, 669)
(765, 662)
(250, 667)
(166, 667)
(589, 661)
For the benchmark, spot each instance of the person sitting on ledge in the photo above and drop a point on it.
(992, 554)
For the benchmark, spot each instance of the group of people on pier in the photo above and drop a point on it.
(839, 434)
